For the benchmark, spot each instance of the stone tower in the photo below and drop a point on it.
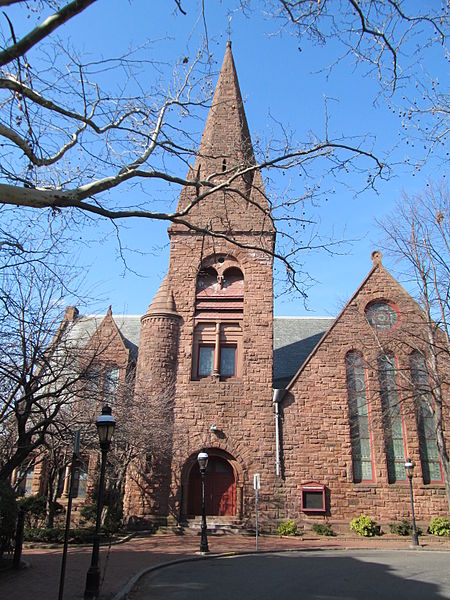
(220, 280)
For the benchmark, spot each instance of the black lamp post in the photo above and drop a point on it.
(202, 460)
(409, 467)
(105, 428)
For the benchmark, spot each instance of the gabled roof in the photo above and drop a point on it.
(377, 267)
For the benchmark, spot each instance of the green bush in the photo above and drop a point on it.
(439, 526)
(323, 529)
(53, 535)
(88, 514)
(114, 516)
(8, 517)
(35, 508)
(287, 527)
(403, 527)
(364, 525)
(82, 535)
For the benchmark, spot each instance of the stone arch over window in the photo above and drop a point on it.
(360, 432)
(219, 305)
(423, 400)
(382, 315)
(394, 440)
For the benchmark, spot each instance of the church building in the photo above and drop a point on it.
(322, 409)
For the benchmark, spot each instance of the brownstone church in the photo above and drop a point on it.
(318, 407)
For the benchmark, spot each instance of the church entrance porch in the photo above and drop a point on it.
(220, 489)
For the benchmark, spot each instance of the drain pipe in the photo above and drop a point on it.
(277, 397)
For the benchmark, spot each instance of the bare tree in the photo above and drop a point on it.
(41, 371)
(397, 42)
(68, 138)
(418, 236)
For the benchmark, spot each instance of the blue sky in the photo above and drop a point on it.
(279, 83)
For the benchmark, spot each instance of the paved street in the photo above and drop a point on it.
(122, 562)
(324, 575)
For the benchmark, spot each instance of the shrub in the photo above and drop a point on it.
(88, 513)
(403, 527)
(287, 527)
(364, 525)
(323, 529)
(114, 516)
(82, 535)
(439, 526)
(8, 516)
(35, 508)
(48, 534)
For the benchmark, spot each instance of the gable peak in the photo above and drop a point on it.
(376, 257)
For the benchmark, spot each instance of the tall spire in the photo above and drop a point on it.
(226, 148)
(226, 135)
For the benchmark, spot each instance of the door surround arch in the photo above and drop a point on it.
(213, 453)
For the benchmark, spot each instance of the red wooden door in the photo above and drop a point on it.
(220, 489)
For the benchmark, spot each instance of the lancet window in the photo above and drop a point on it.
(394, 442)
(359, 418)
(429, 455)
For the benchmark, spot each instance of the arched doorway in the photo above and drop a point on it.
(220, 489)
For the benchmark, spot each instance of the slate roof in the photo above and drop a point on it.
(294, 338)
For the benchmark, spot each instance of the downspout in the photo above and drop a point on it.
(277, 397)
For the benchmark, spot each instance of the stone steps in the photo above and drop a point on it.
(215, 525)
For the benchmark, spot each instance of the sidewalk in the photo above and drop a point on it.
(119, 563)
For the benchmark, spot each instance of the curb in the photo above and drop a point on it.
(127, 588)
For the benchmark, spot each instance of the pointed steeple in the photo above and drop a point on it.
(226, 135)
(225, 149)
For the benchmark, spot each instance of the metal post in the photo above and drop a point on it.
(256, 518)
(415, 538)
(93, 575)
(75, 455)
(204, 538)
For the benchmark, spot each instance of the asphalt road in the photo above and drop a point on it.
(318, 575)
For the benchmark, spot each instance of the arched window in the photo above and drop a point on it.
(392, 418)
(111, 383)
(25, 481)
(429, 455)
(219, 304)
(359, 418)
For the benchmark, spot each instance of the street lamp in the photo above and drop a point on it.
(202, 460)
(409, 467)
(105, 429)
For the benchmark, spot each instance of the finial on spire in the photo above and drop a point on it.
(229, 31)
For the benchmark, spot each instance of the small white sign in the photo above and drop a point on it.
(256, 481)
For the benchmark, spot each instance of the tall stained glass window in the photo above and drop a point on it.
(392, 419)
(429, 455)
(359, 418)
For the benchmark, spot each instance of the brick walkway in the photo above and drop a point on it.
(40, 581)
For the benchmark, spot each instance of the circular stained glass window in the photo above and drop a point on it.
(382, 316)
